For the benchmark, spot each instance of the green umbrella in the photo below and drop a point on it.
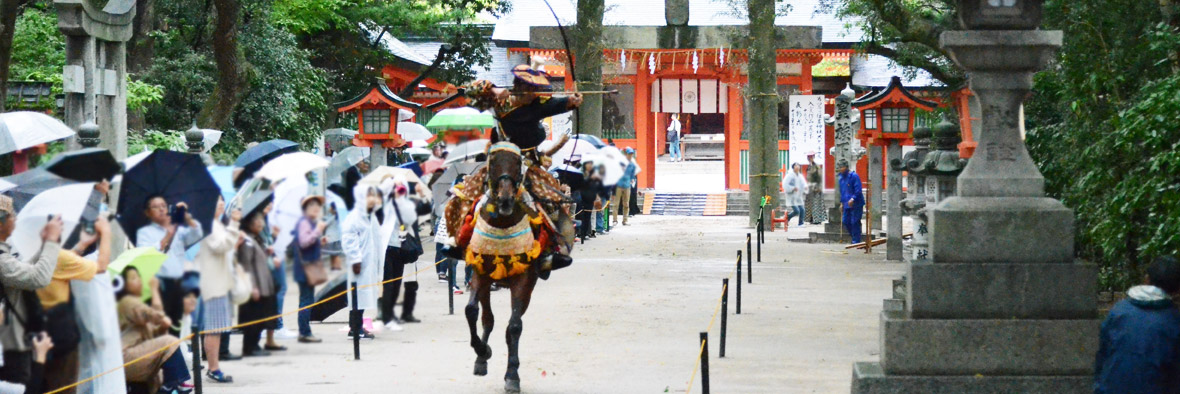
(465, 118)
(147, 260)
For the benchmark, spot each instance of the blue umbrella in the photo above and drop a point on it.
(224, 177)
(252, 159)
(178, 177)
(413, 165)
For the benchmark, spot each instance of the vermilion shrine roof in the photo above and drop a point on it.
(894, 93)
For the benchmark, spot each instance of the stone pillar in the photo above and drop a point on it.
(893, 244)
(1002, 306)
(94, 79)
(875, 185)
(378, 155)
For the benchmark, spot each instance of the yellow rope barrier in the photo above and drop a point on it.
(701, 352)
(240, 325)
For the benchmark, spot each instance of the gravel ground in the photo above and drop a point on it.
(625, 318)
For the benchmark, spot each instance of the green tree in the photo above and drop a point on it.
(906, 31)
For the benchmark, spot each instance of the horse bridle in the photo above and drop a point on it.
(517, 183)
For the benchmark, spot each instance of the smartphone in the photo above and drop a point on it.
(178, 214)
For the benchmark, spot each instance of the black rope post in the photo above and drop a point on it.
(761, 239)
(705, 361)
(749, 264)
(451, 285)
(196, 344)
(356, 325)
(738, 292)
(724, 312)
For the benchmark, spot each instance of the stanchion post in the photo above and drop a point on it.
(705, 361)
(356, 325)
(196, 344)
(738, 292)
(749, 264)
(761, 239)
(724, 312)
(451, 267)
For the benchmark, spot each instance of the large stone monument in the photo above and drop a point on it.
(846, 148)
(1001, 306)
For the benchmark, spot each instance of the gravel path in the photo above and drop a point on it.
(625, 318)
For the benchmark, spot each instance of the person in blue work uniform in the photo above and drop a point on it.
(854, 199)
(1139, 346)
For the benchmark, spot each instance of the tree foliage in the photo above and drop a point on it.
(904, 30)
(1102, 129)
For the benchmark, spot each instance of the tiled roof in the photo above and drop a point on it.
(514, 26)
(400, 49)
(876, 71)
(498, 72)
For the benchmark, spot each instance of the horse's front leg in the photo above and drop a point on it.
(522, 293)
(483, 352)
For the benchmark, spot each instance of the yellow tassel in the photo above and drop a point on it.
(489, 208)
(500, 272)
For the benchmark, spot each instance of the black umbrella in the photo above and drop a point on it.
(252, 159)
(31, 183)
(334, 286)
(178, 177)
(256, 201)
(86, 165)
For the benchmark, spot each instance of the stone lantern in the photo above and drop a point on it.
(1001, 306)
(915, 200)
(942, 165)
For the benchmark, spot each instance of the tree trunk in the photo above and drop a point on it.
(8, 11)
(141, 46)
(231, 67)
(588, 64)
(763, 110)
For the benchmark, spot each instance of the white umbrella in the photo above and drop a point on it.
(67, 201)
(380, 173)
(291, 165)
(418, 151)
(572, 153)
(411, 131)
(6, 185)
(467, 149)
(615, 154)
(404, 115)
(25, 129)
(344, 159)
(287, 210)
(212, 137)
(612, 171)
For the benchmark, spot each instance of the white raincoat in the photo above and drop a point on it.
(362, 243)
(100, 347)
(392, 230)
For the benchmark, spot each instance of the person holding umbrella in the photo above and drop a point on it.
(253, 256)
(171, 239)
(309, 241)
(17, 277)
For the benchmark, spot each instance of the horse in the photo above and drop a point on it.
(511, 235)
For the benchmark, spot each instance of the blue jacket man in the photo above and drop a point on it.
(1139, 350)
(853, 199)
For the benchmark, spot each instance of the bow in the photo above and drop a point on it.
(570, 57)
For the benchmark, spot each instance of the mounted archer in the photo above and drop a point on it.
(519, 111)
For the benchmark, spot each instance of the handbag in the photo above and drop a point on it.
(61, 324)
(315, 272)
(243, 286)
(411, 247)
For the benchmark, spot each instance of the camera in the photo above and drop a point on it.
(178, 214)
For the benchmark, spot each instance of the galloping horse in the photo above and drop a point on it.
(508, 238)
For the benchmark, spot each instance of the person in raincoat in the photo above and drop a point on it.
(364, 249)
(399, 223)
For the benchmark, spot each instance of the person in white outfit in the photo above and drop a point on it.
(674, 138)
(400, 219)
(363, 246)
(795, 186)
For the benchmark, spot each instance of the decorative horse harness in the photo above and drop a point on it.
(505, 252)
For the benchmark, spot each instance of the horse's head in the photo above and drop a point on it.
(505, 178)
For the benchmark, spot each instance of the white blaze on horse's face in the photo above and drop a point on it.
(505, 179)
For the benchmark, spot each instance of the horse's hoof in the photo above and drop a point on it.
(512, 385)
(481, 368)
